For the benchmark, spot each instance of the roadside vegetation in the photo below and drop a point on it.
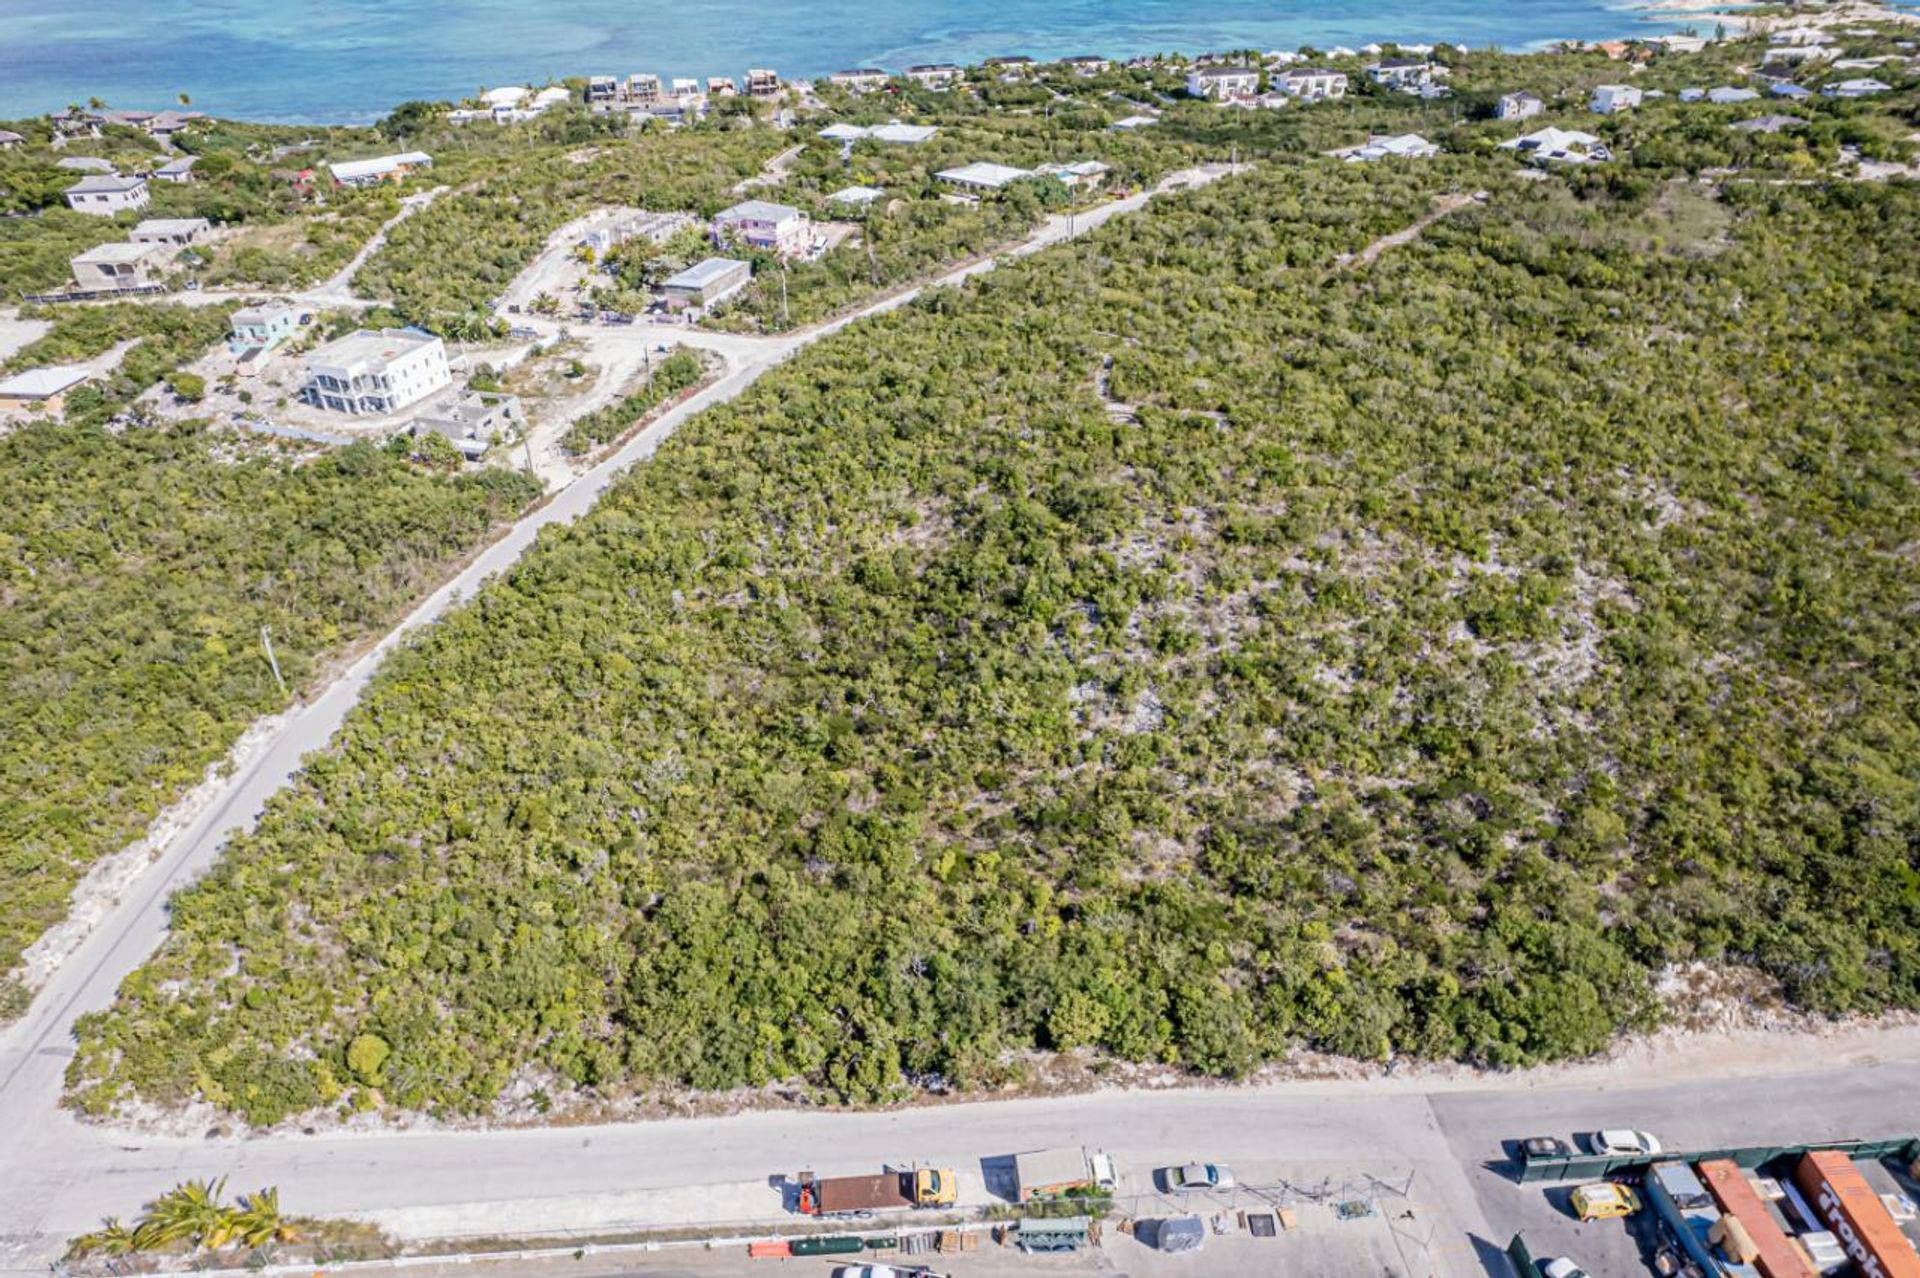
(139, 567)
(1182, 646)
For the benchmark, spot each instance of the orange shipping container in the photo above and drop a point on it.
(1849, 1207)
(1778, 1257)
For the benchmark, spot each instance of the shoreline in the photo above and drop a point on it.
(1624, 22)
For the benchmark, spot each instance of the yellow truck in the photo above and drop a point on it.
(892, 1188)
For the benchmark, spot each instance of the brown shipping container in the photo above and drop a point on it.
(1834, 1187)
(1778, 1257)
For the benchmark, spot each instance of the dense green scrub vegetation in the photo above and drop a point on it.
(138, 568)
(1182, 644)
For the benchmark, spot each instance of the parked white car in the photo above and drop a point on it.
(1562, 1268)
(1623, 1142)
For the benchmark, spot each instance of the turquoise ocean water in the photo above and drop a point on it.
(329, 61)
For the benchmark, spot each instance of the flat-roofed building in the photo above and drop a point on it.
(260, 328)
(113, 267)
(707, 283)
(1311, 83)
(859, 80)
(935, 75)
(1220, 83)
(172, 232)
(762, 83)
(376, 371)
(472, 422)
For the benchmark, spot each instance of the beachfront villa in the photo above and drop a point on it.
(1311, 83)
(934, 75)
(107, 194)
(1222, 83)
(762, 83)
(1407, 74)
(762, 224)
(859, 80)
(376, 372)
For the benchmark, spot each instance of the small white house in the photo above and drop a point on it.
(1409, 146)
(507, 97)
(1727, 94)
(1129, 123)
(107, 194)
(1219, 83)
(1311, 83)
(1610, 99)
(260, 328)
(1559, 146)
(1075, 176)
(1855, 89)
(179, 172)
(376, 372)
(1520, 105)
(171, 232)
(982, 175)
(763, 224)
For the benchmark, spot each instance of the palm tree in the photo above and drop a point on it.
(191, 1213)
(112, 1239)
(259, 1221)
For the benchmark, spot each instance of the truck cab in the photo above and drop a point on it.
(934, 1187)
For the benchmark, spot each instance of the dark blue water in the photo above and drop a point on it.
(329, 61)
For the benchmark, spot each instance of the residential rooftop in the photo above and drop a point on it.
(43, 383)
(703, 273)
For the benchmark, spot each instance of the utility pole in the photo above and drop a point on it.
(526, 442)
(266, 641)
(784, 319)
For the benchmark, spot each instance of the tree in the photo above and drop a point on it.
(368, 1053)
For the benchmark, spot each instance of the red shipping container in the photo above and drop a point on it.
(1779, 1258)
(1835, 1189)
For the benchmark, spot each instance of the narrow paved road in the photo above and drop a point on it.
(43, 1151)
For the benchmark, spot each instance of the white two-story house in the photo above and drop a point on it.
(376, 372)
